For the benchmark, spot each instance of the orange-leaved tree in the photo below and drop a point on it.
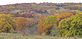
(22, 23)
(45, 23)
(63, 15)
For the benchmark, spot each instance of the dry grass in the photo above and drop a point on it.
(19, 36)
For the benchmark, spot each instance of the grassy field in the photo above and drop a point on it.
(19, 36)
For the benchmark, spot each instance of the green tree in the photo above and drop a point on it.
(71, 26)
(51, 25)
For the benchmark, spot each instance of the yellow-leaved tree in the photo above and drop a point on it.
(6, 23)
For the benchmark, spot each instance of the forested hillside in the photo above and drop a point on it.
(53, 19)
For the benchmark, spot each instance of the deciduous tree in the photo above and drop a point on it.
(71, 26)
(6, 23)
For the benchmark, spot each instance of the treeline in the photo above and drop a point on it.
(59, 24)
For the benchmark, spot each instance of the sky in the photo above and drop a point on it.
(5, 2)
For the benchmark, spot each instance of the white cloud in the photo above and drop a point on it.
(4, 2)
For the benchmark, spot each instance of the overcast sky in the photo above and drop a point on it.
(4, 2)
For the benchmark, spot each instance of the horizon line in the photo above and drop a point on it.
(41, 2)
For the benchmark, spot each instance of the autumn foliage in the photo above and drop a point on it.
(6, 23)
(22, 23)
(71, 26)
(45, 23)
(41, 24)
(61, 19)
(63, 15)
